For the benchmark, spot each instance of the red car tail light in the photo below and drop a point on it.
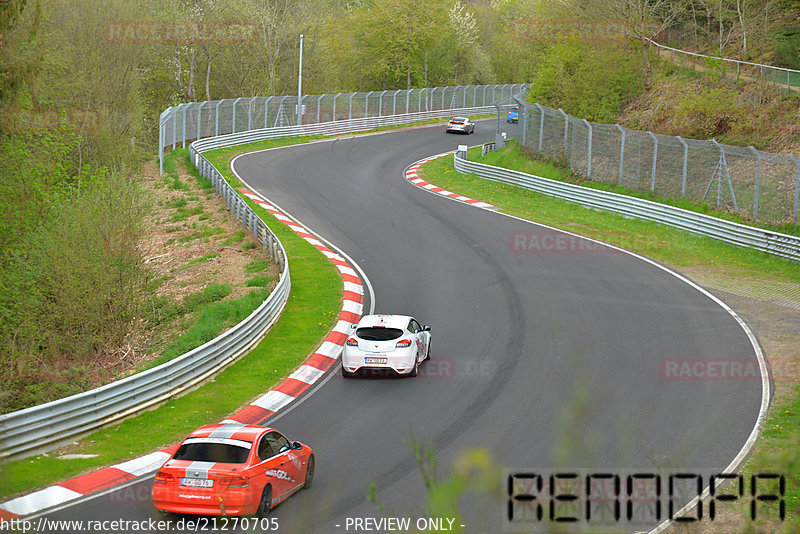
(352, 342)
(163, 477)
(403, 344)
(234, 482)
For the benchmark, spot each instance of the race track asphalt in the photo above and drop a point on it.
(548, 359)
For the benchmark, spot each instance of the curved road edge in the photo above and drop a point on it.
(412, 177)
(281, 398)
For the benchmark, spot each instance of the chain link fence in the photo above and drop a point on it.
(759, 185)
(195, 120)
(780, 77)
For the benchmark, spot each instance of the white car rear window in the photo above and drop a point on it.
(378, 334)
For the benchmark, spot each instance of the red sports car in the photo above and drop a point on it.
(232, 469)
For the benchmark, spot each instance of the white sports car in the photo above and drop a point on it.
(396, 342)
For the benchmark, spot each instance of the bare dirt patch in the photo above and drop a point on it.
(193, 241)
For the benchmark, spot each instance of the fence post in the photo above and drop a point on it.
(522, 118)
(266, 111)
(161, 146)
(796, 183)
(216, 117)
(233, 122)
(757, 154)
(621, 152)
(444, 90)
(199, 116)
(175, 126)
(183, 133)
(350, 112)
(541, 123)
(685, 164)
(588, 149)
(566, 132)
(483, 103)
(380, 103)
(250, 113)
(366, 105)
(394, 102)
(655, 160)
(408, 99)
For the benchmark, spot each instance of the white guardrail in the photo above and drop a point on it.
(54, 424)
(48, 426)
(768, 241)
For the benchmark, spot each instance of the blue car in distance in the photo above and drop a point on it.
(513, 114)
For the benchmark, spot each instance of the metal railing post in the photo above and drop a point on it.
(183, 133)
(350, 112)
(757, 154)
(589, 149)
(319, 106)
(380, 103)
(685, 165)
(621, 153)
(250, 113)
(566, 132)
(233, 121)
(655, 161)
(366, 105)
(483, 103)
(394, 102)
(175, 127)
(266, 111)
(160, 147)
(216, 117)
(199, 115)
(541, 123)
(522, 119)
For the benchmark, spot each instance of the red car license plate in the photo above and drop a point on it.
(197, 482)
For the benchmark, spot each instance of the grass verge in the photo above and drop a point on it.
(312, 309)
(778, 450)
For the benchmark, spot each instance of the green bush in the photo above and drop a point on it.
(73, 289)
(590, 81)
(706, 113)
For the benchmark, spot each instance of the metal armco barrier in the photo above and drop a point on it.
(49, 426)
(325, 128)
(196, 120)
(774, 243)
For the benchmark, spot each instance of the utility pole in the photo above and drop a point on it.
(300, 85)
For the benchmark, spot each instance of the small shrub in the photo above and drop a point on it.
(259, 281)
(257, 265)
(706, 113)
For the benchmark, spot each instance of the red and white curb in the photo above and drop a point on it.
(268, 404)
(411, 176)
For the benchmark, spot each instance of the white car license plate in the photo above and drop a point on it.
(197, 482)
(375, 359)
